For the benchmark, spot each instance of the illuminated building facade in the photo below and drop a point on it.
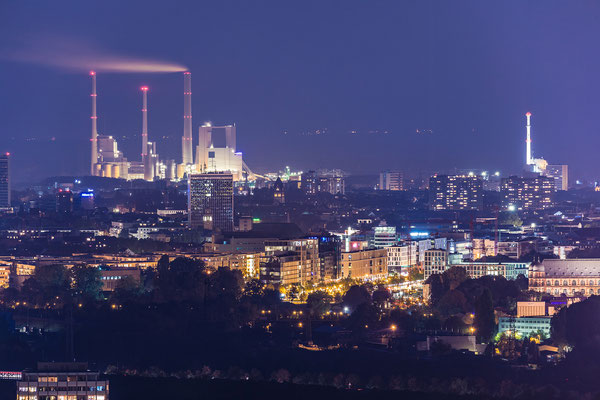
(210, 201)
(508, 270)
(572, 277)
(384, 236)
(528, 193)
(435, 262)
(455, 192)
(290, 262)
(364, 264)
(62, 381)
(402, 257)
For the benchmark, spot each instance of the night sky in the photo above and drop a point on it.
(449, 81)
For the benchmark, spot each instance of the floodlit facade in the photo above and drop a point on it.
(436, 262)
(510, 270)
(214, 156)
(364, 264)
(400, 258)
(569, 277)
(210, 201)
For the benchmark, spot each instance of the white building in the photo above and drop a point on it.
(402, 257)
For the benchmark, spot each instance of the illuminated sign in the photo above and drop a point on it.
(10, 375)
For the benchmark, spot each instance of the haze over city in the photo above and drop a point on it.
(450, 83)
(385, 199)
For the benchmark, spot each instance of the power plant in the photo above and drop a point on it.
(107, 161)
(539, 166)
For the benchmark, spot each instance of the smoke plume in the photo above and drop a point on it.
(78, 56)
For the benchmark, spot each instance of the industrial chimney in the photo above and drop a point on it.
(144, 121)
(186, 140)
(94, 139)
(529, 160)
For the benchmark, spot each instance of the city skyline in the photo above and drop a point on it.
(439, 111)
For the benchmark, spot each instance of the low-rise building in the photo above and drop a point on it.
(572, 277)
(62, 381)
(111, 277)
(525, 326)
(509, 270)
(364, 264)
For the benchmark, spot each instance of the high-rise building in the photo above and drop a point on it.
(455, 192)
(210, 201)
(64, 201)
(560, 174)
(5, 180)
(528, 193)
(308, 182)
(391, 180)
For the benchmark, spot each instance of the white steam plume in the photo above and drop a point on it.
(76, 55)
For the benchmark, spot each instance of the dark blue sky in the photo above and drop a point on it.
(466, 70)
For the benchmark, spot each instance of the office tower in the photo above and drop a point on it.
(64, 201)
(210, 201)
(5, 180)
(308, 182)
(86, 200)
(560, 174)
(455, 192)
(528, 193)
(186, 140)
(391, 180)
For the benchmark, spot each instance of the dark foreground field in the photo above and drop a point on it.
(129, 388)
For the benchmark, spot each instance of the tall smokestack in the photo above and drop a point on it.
(94, 139)
(529, 160)
(144, 121)
(186, 141)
